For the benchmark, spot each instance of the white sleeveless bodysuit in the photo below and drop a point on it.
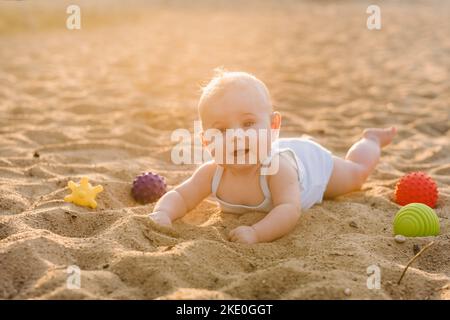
(313, 163)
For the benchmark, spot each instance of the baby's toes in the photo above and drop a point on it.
(387, 135)
(382, 136)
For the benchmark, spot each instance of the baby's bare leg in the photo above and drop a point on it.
(350, 174)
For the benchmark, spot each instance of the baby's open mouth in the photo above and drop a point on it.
(242, 151)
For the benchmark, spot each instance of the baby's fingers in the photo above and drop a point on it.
(160, 219)
(233, 235)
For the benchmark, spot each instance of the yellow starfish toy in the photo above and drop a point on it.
(83, 194)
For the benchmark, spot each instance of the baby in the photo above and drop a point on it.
(305, 172)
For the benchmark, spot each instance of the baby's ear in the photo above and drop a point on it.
(275, 120)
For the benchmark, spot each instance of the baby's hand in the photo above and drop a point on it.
(244, 234)
(161, 218)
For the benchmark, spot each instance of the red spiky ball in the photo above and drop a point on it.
(416, 187)
(148, 187)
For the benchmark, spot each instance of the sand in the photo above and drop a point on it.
(102, 102)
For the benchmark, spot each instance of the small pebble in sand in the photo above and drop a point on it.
(348, 292)
(416, 248)
(353, 224)
(399, 238)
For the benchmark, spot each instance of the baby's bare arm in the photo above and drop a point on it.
(186, 196)
(283, 217)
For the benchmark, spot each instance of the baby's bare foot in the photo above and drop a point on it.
(382, 136)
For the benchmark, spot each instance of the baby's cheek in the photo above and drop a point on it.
(264, 146)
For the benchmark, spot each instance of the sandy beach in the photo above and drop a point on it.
(102, 102)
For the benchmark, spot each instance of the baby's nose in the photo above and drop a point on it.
(238, 133)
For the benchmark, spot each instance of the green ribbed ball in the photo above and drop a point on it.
(416, 220)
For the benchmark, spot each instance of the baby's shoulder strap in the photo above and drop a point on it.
(216, 179)
(270, 165)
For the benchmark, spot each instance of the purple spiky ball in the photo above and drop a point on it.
(148, 187)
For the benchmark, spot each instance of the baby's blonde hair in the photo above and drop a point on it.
(224, 79)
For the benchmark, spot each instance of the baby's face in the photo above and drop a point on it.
(245, 110)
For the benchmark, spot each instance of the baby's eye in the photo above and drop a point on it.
(249, 123)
